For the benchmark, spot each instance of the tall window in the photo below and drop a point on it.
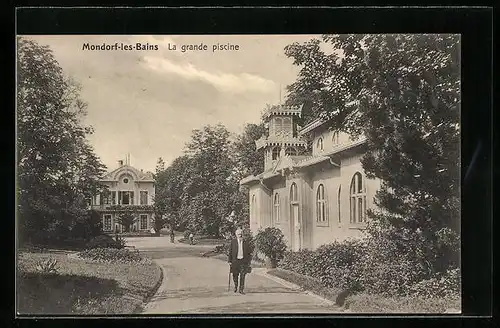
(321, 205)
(276, 208)
(293, 193)
(319, 144)
(144, 197)
(278, 125)
(126, 197)
(357, 199)
(105, 198)
(276, 153)
(107, 222)
(113, 197)
(335, 138)
(252, 208)
(143, 222)
(338, 200)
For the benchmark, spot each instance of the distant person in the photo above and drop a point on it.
(191, 238)
(239, 258)
(172, 236)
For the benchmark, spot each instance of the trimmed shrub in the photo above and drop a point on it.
(271, 242)
(335, 265)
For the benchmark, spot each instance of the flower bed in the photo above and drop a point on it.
(114, 255)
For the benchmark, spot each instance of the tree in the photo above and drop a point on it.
(170, 184)
(159, 220)
(406, 93)
(57, 168)
(248, 159)
(208, 194)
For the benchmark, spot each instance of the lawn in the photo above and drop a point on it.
(83, 286)
(366, 303)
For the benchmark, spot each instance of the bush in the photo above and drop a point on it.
(111, 255)
(335, 265)
(105, 241)
(271, 243)
(442, 285)
(47, 266)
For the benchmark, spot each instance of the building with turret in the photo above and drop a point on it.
(129, 189)
(314, 196)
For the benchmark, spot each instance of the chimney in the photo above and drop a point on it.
(120, 163)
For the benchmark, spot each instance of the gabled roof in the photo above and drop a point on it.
(138, 175)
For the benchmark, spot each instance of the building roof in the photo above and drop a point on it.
(137, 174)
(284, 140)
(283, 110)
(302, 162)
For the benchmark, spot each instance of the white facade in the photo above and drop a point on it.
(128, 188)
(313, 199)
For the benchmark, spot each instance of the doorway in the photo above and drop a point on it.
(295, 228)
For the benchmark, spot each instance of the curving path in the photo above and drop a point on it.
(193, 284)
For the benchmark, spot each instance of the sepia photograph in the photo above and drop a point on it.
(238, 174)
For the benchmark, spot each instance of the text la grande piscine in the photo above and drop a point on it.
(204, 47)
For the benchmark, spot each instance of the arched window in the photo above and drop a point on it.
(276, 153)
(321, 204)
(276, 208)
(335, 138)
(290, 151)
(338, 200)
(319, 144)
(357, 199)
(293, 193)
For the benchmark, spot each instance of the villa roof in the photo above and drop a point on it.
(137, 174)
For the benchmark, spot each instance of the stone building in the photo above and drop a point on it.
(314, 196)
(129, 189)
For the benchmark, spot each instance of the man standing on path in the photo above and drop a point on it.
(239, 259)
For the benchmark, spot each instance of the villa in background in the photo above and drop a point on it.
(314, 196)
(129, 188)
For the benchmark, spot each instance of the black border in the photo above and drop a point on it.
(474, 24)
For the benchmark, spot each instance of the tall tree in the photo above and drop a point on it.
(57, 168)
(407, 93)
(248, 159)
(210, 189)
(159, 220)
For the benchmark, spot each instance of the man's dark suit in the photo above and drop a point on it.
(239, 266)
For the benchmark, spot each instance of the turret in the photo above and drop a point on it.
(282, 139)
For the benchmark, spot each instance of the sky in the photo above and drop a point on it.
(147, 103)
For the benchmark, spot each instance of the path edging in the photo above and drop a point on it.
(263, 272)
